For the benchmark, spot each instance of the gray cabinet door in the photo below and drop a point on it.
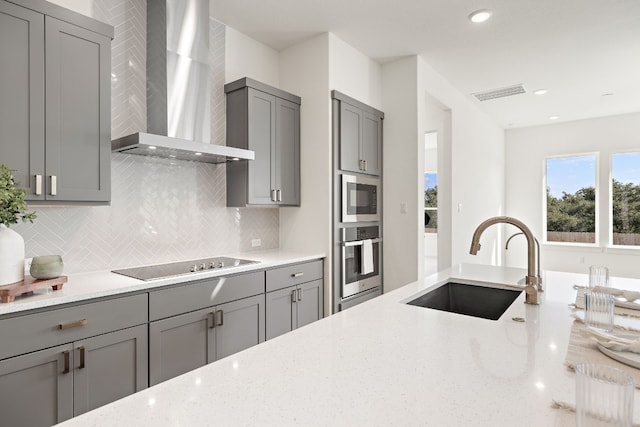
(180, 344)
(262, 135)
(371, 144)
(35, 388)
(266, 120)
(78, 124)
(22, 95)
(239, 325)
(309, 302)
(280, 307)
(109, 367)
(287, 153)
(350, 136)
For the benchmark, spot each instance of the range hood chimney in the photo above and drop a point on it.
(178, 88)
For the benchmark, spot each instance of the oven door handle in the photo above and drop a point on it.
(360, 242)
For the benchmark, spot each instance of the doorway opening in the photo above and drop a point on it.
(430, 237)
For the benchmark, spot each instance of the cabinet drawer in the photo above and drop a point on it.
(31, 332)
(290, 275)
(203, 293)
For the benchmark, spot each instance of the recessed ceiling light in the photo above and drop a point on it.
(198, 154)
(607, 94)
(553, 117)
(152, 147)
(235, 159)
(480, 15)
(540, 92)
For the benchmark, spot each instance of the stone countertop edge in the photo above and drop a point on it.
(99, 284)
(384, 363)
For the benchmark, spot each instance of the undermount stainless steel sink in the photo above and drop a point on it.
(470, 300)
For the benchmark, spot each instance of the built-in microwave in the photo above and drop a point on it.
(360, 201)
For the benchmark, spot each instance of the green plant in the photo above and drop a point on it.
(12, 204)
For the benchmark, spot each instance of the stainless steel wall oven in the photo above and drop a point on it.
(360, 259)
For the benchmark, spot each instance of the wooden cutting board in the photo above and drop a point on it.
(9, 292)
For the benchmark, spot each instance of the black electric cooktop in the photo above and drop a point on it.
(161, 271)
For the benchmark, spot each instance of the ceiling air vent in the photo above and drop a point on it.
(499, 93)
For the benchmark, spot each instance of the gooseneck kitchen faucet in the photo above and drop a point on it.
(531, 281)
(506, 247)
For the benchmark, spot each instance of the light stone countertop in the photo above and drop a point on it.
(86, 286)
(385, 363)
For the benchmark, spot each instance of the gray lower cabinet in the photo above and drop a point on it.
(82, 360)
(36, 388)
(360, 136)
(188, 341)
(266, 120)
(55, 102)
(294, 298)
(293, 307)
(109, 367)
(199, 322)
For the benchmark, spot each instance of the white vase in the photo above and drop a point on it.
(11, 256)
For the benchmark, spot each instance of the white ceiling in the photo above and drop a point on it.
(576, 49)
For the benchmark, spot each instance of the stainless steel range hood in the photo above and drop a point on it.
(178, 88)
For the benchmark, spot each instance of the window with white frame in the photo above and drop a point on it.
(625, 199)
(571, 199)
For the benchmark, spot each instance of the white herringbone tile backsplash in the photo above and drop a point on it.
(161, 210)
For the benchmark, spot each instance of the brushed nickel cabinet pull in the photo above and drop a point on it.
(212, 325)
(54, 185)
(221, 317)
(278, 195)
(82, 351)
(365, 165)
(70, 325)
(360, 165)
(66, 361)
(293, 296)
(298, 274)
(273, 196)
(38, 185)
(299, 294)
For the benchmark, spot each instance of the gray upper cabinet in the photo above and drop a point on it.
(55, 118)
(360, 133)
(266, 120)
(22, 94)
(78, 111)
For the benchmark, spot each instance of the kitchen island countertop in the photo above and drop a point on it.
(385, 363)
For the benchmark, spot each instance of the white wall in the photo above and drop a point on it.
(246, 57)
(477, 167)
(525, 153)
(81, 6)
(312, 69)
(354, 74)
(304, 71)
(402, 238)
